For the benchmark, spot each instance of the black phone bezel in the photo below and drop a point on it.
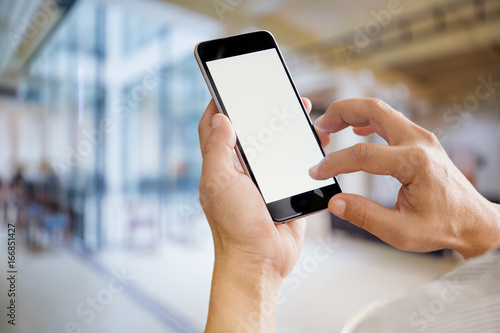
(298, 205)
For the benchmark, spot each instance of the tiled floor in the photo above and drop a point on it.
(169, 287)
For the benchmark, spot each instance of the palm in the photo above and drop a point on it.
(256, 233)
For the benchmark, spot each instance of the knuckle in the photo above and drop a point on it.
(420, 151)
(418, 157)
(209, 188)
(201, 194)
(363, 218)
(208, 146)
(199, 129)
(203, 185)
(429, 137)
(382, 106)
(361, 151)
(378, 103)
(338, 103)
(402, 241)
(213, 184)
(327, 161)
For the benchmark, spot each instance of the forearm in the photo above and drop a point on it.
(243, 297)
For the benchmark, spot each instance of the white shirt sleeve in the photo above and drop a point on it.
(465, 300)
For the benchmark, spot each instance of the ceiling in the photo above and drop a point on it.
(438, 48)
(24, 26)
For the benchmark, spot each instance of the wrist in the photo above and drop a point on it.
(251, 265)
(244, 295)
(482, 232)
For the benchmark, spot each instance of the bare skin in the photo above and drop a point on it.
(436, 208)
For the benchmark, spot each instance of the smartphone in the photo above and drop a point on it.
(276, 141)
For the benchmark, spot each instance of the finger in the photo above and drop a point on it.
(378, 220)
(361, 112)
(324, 138)
(307, 104)
(368, 157)
(205, 125)
(217, 150)
(297, 229)
(363, 131)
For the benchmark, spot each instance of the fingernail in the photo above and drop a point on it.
(338, 207)
(216, 121)
(319, 120)
(318, 123)
(313, 169)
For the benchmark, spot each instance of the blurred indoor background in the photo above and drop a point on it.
(99, 157)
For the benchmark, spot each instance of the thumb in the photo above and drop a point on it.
(217, 150)
(366, 214)
(222, 130)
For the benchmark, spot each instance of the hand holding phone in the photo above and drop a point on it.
(253, 254)
(276, 142)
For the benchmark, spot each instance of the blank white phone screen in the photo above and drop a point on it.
(269, 122)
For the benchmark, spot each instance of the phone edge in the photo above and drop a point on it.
(217, 104)
(219, 109)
